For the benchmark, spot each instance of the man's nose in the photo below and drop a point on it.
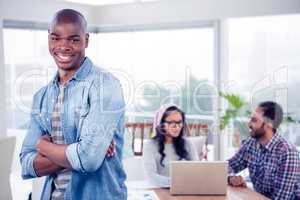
(64, 44)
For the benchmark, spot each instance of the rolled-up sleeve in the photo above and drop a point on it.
(73, 158)
(98, 126)
(27, 165)
(28, 151)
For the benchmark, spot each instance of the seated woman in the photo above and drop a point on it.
(167, 145)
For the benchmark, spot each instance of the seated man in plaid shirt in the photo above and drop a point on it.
(272, 161)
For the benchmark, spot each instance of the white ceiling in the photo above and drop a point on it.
(107, 2)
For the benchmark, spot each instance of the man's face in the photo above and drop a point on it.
(67, 43)
(257, 124)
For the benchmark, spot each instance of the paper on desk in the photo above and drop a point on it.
(145, 184)
(142, 195)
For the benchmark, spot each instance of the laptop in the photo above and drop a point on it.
(7, 147)
(198, 177)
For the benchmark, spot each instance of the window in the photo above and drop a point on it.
(162, 66)
(26, 67)
(264, 65)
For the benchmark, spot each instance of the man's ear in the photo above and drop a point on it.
(269, 125)
(87, 36)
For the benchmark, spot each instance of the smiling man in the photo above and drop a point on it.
(73, 121)
(273, 163)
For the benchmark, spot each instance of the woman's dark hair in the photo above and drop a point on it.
(178, 142)
(273, 112)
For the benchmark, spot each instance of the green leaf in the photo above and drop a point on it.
(235, 105)
(234, 100)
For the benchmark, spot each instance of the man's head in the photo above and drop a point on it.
(68, 39)
(266, 118)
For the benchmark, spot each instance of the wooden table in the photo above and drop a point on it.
(233, 193)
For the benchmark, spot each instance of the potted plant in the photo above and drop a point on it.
(234, 119)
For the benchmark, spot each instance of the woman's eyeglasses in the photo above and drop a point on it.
(174, 123)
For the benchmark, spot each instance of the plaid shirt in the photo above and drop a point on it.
(274, 167)
(62, 178)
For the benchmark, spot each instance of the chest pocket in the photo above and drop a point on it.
(81, 112)
(43, 120)
(83, 108)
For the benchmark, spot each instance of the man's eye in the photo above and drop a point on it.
(54, 38)
(74, 40)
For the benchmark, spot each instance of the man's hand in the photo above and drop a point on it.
(42, 142)
(111, 149)
(236, 181)
(46, 137)
(54, 152)
(42, 165)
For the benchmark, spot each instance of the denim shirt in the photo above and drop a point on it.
(92, 115)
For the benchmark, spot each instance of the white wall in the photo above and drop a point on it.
(162, 11)
(2, 85)
(41, 10)
(169, 11)
(2, 80)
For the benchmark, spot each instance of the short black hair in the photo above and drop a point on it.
(272, 111)
(69, 16)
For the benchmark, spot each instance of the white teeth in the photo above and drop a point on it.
(64, 57)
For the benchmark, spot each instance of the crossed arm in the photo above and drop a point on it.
(105, 116)
(52, 157)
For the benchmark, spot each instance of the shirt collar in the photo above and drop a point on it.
(269, 146)
(81, 73)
